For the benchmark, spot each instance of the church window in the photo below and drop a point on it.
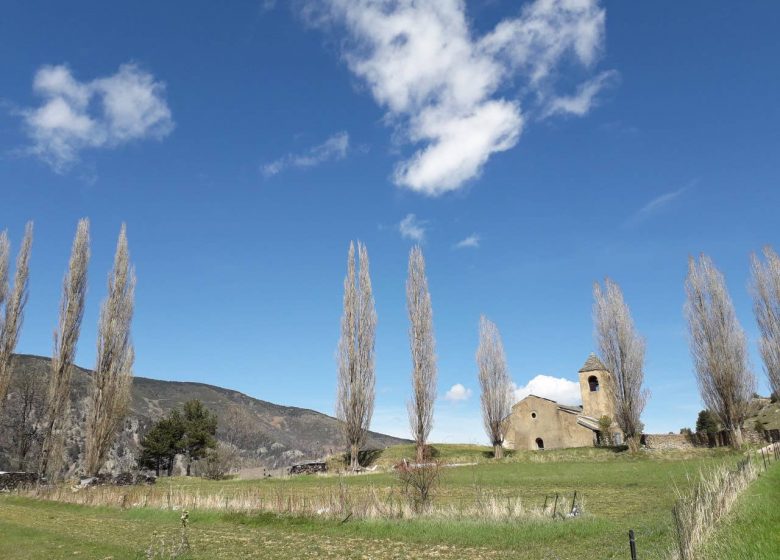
(539, 443)
(533, 415)
(593, 383)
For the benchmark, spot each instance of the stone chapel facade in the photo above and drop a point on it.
(539, 423)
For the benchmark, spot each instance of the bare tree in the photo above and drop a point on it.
(66, 337)
(21, 416)
(423, 346)
(495, 383)
(622, 350)
(113, 377)
(11, 323)
(355, 397)
(718, 347)
(765, 287)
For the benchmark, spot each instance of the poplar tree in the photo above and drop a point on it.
(74, 291)
(423, 348)
(496, 397)
(113, 377)
(11, 321)
(718, 347)
(356, 377)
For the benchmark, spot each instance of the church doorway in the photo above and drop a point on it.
(539, 443)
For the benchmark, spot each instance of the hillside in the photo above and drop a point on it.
(270, 434)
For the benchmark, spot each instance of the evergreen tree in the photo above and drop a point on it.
(199, 426)
(706, 423)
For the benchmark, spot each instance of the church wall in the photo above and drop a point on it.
(557, 429)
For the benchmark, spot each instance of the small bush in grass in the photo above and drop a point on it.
(418, 482)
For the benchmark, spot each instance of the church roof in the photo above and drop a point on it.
(593, 364)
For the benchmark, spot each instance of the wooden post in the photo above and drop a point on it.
(632, 544)
(555, 507)
(763, 457)
(573, 502)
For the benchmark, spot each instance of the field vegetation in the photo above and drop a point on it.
(491, 508)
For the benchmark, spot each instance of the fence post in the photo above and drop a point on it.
(763, 457)
(555, 507)
(632, 543)
(573, 502)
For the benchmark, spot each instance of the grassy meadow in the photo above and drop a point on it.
(615, 490)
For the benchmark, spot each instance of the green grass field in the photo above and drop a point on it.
(618, 492)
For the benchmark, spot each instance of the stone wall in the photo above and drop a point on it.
(12, 480)
(684, 441)
(668, 441)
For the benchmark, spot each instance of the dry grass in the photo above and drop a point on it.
(707, 501)
(341, 501)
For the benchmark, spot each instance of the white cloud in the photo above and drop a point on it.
(103, 113)
(471, 242)
(333, 149)
(457, 393)
(412, 228)
(558, 389)
(584, 100)
(658, 203)
(442, 85)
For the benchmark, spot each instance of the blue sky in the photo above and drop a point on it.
(532, 148)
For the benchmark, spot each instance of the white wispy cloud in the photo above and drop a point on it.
(558, 389)
(584, 99)
(410, 227)
(457, 392)
(334, 148)
(102, 113)
(470, 242)
(658, 203)
(442, 85)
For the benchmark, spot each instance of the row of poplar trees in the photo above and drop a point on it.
(109, 395)
(717, 344)
(356, 375)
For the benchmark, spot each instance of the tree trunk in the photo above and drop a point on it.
(171, 461)
(157, 469)
(735, 437)
(420, 453)
(498, 451)
(633, 443)
(354, 450)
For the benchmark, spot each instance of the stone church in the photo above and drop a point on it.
(539, 423)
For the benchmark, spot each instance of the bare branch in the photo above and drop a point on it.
(718, 346)
(495, 383)
(113, 377)
(66, 337)
(765, 287)
(11, 324)
(356, 379)
(622, 350)
(423, 347)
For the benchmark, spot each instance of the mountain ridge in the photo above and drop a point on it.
(268, 434)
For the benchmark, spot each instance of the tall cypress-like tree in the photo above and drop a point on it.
(356, 378)
(113, 377)
(495, 383)
(766, 305)
(622, 349)
(74, 291)
(11, 321)
(423, 347)
(718, 347)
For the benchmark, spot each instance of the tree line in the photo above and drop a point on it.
(717, 344)
(110, 384)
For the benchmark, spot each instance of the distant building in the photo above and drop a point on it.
(539, 423)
